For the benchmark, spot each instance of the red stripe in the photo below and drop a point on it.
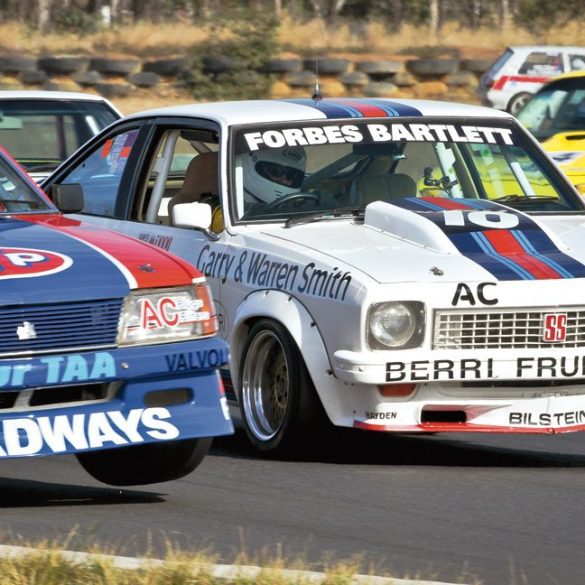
(499, 83)
(368, 110)
(446, 203)
(107, 147)
(167, 269)
(508, 246)
(466, 428)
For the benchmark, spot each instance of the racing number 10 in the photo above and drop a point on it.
(499, 220)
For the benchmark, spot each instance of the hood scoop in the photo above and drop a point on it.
(408, 225)
(507, 243)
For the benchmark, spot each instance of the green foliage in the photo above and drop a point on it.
(535, 15)
(242, 57)
(74, 20)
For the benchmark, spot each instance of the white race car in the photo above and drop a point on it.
(394, 265)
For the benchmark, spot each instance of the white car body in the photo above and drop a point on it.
(521, 71)
(320, 277)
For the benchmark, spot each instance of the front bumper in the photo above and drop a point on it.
(547, 415)
(155, 393)
(520, 391)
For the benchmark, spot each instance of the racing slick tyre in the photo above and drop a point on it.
(517, 102)
(144, 464)
(281, 412)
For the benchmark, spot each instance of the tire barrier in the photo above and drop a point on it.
(291, 75)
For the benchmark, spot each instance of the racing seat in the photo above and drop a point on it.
(369, 188)
(200, 183)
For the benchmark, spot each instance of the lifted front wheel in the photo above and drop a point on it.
(144, 464)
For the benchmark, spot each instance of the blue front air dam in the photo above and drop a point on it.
(126, 419)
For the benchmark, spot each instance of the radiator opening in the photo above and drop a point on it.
(7, 399)
(65, 394)
(443, 416)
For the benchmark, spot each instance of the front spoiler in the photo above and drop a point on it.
(167, 392)
(549, 415)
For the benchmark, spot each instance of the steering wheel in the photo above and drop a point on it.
(292, 197)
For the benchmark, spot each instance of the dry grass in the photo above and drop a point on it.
(47, 565)
(150, 40)
(376, 38)
(309, 37)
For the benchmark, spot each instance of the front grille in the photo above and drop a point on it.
(505, 329)
(47, 328)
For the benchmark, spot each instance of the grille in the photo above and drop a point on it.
(59, 326)
(504, 329)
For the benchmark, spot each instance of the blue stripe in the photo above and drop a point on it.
(328, 108)
(547, 259)
(340, 109)
(414, 204)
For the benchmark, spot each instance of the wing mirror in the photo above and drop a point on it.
(68, 198)
(193, 215)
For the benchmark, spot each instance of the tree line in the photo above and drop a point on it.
(87, 15)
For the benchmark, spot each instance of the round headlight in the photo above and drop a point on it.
(393, 325)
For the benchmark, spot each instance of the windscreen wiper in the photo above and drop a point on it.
(524, 199)
(329, 214)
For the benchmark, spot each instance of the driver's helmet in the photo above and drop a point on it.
(271, 174)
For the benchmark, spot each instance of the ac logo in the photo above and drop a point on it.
(464, 294)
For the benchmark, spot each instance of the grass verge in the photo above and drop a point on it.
(46, 565)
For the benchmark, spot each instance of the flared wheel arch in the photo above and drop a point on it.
(295, 317)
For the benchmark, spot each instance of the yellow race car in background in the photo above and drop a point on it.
(555, 115)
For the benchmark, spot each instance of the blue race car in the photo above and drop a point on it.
(108, 346)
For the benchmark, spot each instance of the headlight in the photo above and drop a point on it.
(395, 325)
(165, 315)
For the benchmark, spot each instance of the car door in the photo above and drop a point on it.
(105, 168)
(131, 174)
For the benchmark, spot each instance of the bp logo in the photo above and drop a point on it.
(28, 262)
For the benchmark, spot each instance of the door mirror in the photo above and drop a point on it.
(68, 198)
(193, 215)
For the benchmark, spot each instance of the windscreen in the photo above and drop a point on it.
(558, 107)
(18, 195)
(280, 171)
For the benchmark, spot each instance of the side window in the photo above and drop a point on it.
(101, 172)
(572, 114)
(542, 64)
(184, 169)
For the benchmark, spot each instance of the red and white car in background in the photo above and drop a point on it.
(520, 71)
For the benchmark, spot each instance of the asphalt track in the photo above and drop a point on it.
(506, 510)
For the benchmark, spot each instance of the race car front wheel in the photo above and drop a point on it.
(144, 464)
(280, 408)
